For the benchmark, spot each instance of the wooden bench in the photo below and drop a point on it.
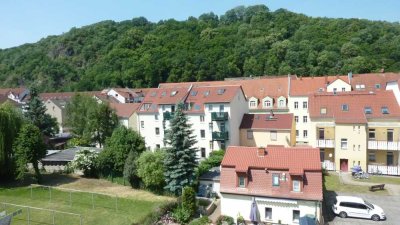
(377, 187)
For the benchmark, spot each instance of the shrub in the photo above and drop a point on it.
(158, 212)
(189, 200)
(204, 220)
(240, 219)
(181, 215)
(227, 219)
(85, 160)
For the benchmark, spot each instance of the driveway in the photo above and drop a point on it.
(389, 204)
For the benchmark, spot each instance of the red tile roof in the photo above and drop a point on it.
(259, 88)
(125, 110)
(263, 121)
(162, 96)
(356, 102)
(294, 161)
(303, 86)
(370, 80)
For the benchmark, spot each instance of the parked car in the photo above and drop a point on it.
(347, 206)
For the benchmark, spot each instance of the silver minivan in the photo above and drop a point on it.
(348, 206)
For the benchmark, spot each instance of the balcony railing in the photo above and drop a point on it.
(220, 136)
(168, 115)
(219, 116)
(384, 145)
(325, 143)
(328, 165)
(385, 170)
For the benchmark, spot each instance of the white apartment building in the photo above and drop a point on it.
(214, 112)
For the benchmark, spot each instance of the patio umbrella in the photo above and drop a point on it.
(253, 212)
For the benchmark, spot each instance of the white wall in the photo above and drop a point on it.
(116, 95)
(395, 88)
(300, 112)
(215, 185)
(148, 132)
(282, 209)
(339, 85)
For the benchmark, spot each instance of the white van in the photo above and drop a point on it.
(345, 206)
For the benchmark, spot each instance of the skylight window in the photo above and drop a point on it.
(193, 93)
(377, 86)
(164, 93)
(196, 107)
(345, 107)
(323, 110)
(206, 93)
(221, 91)
(153, 94)
(367, 110)
(385, 110)
(174, 93)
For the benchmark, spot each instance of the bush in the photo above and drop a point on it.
(85, 160)
(214, 160)
(150, 168)
(181, 215)
(189, 200)
(158, 212)
(240, 220)
(227, 219)
(204, 220)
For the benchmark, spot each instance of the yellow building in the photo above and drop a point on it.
(356, 128)
(261, 130)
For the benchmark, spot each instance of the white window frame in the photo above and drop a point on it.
(296, 185)
(296, 105)
(305, 134)
(250, 134)
(273, 135)
(241, 182)
(305, 105)
(142, 124)
(305, 119)
(202, 119)
(296, 119)
(275, 180)
(343, 143)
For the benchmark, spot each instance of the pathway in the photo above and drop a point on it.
(346, 178)
(217, 212)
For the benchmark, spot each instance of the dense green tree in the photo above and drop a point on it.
(180, 160)
(101, 123)
(10, 123)
(114, 157)
(36, 114)
(189, 200)
(214, 160)
(150, 169)
(29, 148)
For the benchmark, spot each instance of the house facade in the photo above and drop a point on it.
(284, 183)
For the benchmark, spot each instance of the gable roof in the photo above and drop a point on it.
(297, 161)
(356, 103)
(263, 121)
(369, 80)
(125, 110)
(303, 86)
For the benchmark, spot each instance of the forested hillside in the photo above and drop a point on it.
(244, 41)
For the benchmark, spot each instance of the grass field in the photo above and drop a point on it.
(131, 206)
(332, 183)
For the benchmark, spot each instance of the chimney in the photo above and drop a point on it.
(261, 152)
(350, 76)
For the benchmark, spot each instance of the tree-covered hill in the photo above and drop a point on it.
(244, 41)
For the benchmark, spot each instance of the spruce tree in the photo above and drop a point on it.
(180, 160)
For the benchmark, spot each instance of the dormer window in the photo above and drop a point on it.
(345, 107)
(206, 93)
(377, 86)
(385, 110)
(281, 103)
(275, 179)
(164, 93)
(221, 91)
(323, 111)
(241, 181)
(267, 103)
(296, 185)
(193, 93)
(253, 104)
(153, 94)
(367, 110)
(174, 93)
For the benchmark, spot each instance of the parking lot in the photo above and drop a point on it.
(390, 205)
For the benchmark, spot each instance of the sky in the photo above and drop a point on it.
(27, 21)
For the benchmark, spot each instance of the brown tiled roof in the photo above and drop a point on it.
(356, 102)
(303, 86)
(198, 96)
(124, 110)
(370, 80)
(292, 161)
(162, 96)
(17, 91)
(259, 88)
(264, 121)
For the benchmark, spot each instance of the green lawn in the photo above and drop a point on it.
(332, 183)
(381, 180)
(128, 210)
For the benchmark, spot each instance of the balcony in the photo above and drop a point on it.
(219, 116)
(168, 115)
(325, 143)
(220, 136)
(384, 145)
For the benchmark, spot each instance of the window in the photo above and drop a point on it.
(201, 118)
(359, 147)
(343, 143)
(210, 126)
(203, 152)
(282, 103)
(221, 108)
(304, 119)
(206, 93)
(371, 134)
(367, 110)
(296, 119)
(164, 93)
(223, 145)
(275, 179)
(296, 216)
(371, 157)
(297, 133)
(158, 146)
(305, 106)
(142, 124)
(156, 117)
(193, 93)
(296, 105)
(323, 110)
(163, 107)
(210, 107)
(249, 134)
(267, 103)
(354, 147)
(273, 135)
(253, 104)
(220, 91)
(345, 107)
(343, 89)
(296, 185)
(202, 133)
(377, 86)
(242, 182)
(173, 93)
(334, 90)
(157, 131)
(305, 134)
(268, 213)
(385, 110)
(211, 145)
(172, 108)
